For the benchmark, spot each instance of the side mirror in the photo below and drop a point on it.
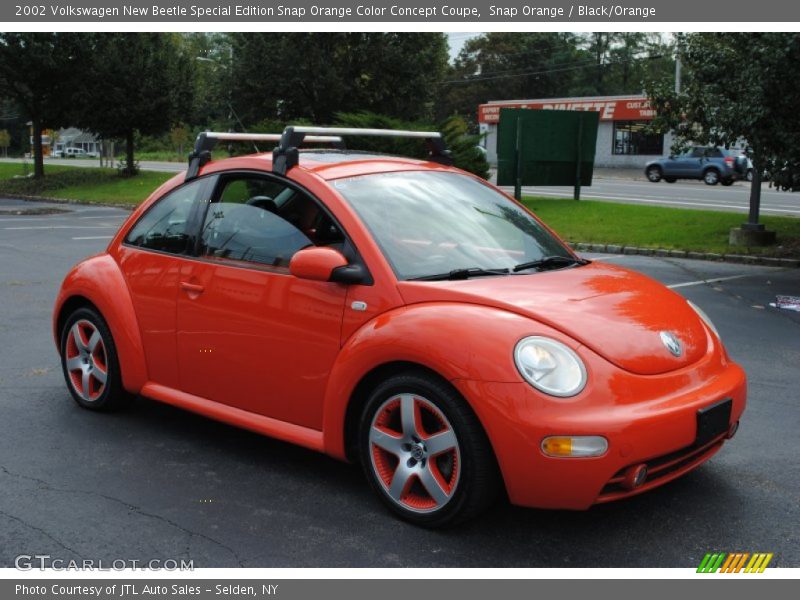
(316, 263)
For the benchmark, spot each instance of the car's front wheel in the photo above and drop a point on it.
(653, 174)
(425, 453)
(90, 363)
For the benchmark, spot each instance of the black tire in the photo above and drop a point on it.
(726, 182)
(472, 485)
(749, 174)
(108, 396)
(711, 177)
(653, 174)
(670, 179)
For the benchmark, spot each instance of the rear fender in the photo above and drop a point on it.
(99, 281)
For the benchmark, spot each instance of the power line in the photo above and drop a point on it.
(575, 67)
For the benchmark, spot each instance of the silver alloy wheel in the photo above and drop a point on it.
(86, 360)
(654, 174)
(414, 453)
(711, 177)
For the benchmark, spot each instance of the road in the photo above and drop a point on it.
(155, 482)
(688, 194)
(683, 194)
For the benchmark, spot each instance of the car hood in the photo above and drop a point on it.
(619, 314)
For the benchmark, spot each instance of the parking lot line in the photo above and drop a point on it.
(94, 237)
(60, 227)
(710, 280)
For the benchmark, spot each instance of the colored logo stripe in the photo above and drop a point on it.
(735, 562)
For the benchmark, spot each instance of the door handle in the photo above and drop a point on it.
(193, 289)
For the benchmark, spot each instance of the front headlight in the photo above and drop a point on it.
(550, 366)
(703, 316)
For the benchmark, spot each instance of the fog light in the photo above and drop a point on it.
(577, 446)
(733, 429)
(634, 476)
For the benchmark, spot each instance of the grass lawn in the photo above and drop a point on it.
(657, 227)
(83, 184)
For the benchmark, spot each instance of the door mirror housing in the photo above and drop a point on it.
(317, 263)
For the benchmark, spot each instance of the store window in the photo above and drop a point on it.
(632, 137)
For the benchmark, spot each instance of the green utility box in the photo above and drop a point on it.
(546, 147)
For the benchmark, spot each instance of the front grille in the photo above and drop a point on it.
(661, 469)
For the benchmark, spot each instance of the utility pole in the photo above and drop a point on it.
(677, 72)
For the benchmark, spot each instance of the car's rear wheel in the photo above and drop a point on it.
(711, 177)
(90, 363)
(749, 174)
(425, 453)
(653, 174)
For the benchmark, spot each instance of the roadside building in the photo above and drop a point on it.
(622, 138)
(72, 137)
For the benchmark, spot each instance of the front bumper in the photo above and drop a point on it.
(646, 419)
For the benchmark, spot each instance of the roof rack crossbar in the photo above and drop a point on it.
(286, 155)
(207, 140)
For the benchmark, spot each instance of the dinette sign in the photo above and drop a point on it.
(610, 109)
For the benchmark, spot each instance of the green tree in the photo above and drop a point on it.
(462, 145)
(37, 70)
(504, 66)
(737, 86)
(5, 141)
(137, 82)
(313, 76)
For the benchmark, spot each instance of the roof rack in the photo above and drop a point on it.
(207, 140)
(286, 155)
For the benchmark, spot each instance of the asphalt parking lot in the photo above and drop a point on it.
(155, 482)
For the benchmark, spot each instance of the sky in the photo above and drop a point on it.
(456, 39)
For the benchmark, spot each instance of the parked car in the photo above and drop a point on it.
(403, 314)
(70, 153)
(711, 165)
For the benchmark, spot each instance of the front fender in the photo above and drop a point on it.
(456, 340)
(99, 280)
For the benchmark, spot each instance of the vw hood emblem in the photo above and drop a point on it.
(671, 342)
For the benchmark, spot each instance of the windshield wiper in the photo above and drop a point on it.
(550, 262)
(461, 274)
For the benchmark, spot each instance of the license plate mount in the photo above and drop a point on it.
(713, 421)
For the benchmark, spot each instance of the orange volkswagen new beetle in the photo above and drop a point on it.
(403, 314)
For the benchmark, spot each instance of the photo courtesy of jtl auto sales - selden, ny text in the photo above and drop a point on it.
(471, 299)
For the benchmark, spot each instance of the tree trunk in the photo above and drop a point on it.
(755, 199)
(38, 157)
(130, 168)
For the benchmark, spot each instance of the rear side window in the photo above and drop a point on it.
(165, 227)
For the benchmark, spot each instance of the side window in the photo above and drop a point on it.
(262, 221)
(165, 226)
(699, 152)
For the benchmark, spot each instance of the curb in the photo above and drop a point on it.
(747, 259)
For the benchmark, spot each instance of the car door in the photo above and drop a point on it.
(250, 334)
(152, 258)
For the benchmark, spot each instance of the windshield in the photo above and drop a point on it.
(429, 223)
